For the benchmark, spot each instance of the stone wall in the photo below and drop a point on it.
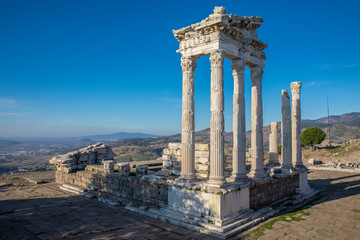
(262, 194)
(134, 189)
(172, 159)
(78, 160)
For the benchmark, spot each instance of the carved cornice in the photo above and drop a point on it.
(219, 10)
(295, 87)
(188, 64)
(217, 58)
(258, 44)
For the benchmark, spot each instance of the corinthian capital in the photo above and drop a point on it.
(217, 58)
(295, 87)
(256, 73)
(238, 65)
(188, 64)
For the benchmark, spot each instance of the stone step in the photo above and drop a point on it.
(251, 223)
(72, 189)
(75, 188)
(200, 225)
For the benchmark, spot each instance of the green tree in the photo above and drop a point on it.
(311, 136)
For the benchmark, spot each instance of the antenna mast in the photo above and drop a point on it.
(327, 100)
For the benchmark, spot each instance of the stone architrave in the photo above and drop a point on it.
(286, 131)
(217, 162)
(257, 148)
(239, 132)
(296, 125)
(273, 144)
(188, 65)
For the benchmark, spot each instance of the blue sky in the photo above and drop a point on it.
(73, 68)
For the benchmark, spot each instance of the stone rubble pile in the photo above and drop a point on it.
(142, 170)
(353, 165)
(314, 161)
(78, 160)
(108, 166)
(172, 159)
(123, 168)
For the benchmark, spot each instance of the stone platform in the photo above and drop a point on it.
(197, 205)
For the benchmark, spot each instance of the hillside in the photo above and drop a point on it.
(347, 152)
(118, 136)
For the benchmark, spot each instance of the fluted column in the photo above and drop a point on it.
(257, 151)
(285, 131)
(188, 65)
(239, 134)
(296, 125)
(217, 119)
(273, 144)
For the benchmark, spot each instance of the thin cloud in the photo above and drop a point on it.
(7, 102)
(351, 65)
(310, 84)
(176, 101)
(326, 66)
(14, 114)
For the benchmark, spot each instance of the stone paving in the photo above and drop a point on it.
(29, 211)
(334, 215)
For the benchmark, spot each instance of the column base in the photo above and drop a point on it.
(187, 178)
(216, 182)
(300, 167)
(239, 178)
(274, 162)
(258, 174)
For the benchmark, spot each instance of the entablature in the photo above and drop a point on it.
(237, 32)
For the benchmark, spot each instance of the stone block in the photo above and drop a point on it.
(177, 165)
(202, 168)
(142, 170)
(175, 145)
(166, 151)
(167, 164)
(201, 147)
(108, 166)
(201, 160)
(202, 154)
(123, 167)
(165, 157)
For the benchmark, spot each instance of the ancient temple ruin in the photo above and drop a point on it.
(193, 189)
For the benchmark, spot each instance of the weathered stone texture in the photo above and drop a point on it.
(78, 160)
(262, 194)
(173, 154)
(273, 144)
(133, 188)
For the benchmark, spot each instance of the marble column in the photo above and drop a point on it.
(257, 148)
(296, 125)
(285, 131)
(188, 65)
(273, 144)
(217, 160)
(239, 132)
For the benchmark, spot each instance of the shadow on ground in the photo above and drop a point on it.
(75, 217)
(335, 188)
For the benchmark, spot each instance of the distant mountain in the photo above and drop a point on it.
(352, 119)
(118, 136)
(339, 132)
(7, 143)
